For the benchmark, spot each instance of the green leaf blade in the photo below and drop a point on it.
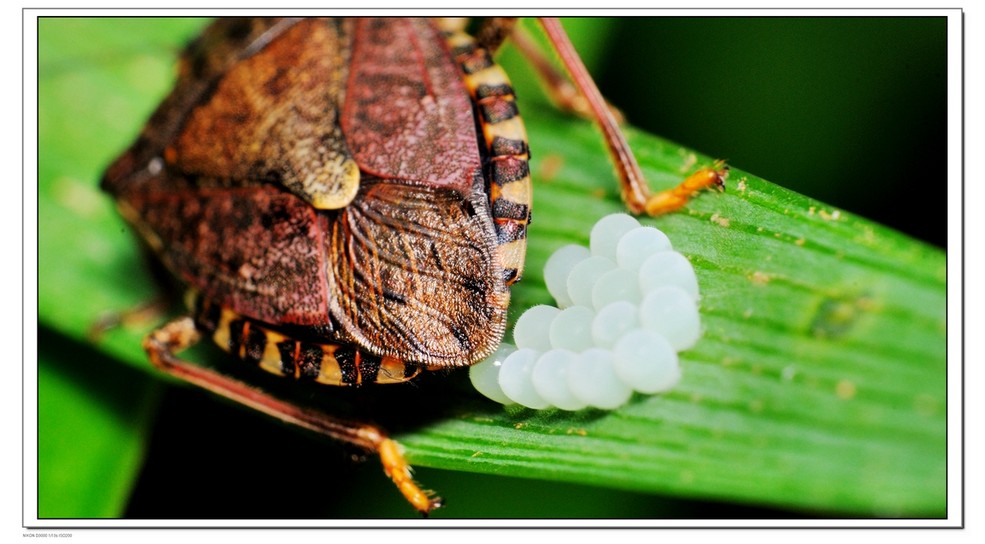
(93, 424)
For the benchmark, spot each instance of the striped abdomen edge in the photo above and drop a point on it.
(508, 173)
(331, 364)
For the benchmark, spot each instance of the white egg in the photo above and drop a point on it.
(668, 268)
(638, 244)
(671, 312)
(515, 379)
(583, 277)
(592, 380)
(572, 329)
(607, 232)
(612, 321)
(550, 379)
(485, 375)
(645, 361)
(613, 286)
(557, 269)
(532, 329)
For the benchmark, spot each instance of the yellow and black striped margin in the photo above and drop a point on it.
(330, 364)
(508, 174)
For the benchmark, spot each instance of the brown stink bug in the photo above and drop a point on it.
(346, 201)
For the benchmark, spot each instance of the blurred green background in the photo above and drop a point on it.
(846, 110)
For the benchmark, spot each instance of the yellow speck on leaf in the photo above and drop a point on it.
(926, 405)
(846, 389)
(759, 278)
(689, 161)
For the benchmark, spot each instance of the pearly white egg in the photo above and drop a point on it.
(671, 312)
(515, 380)
(668, 268)
(607, 232)
(550, 379)
(485, 374)
(533, 327)
(638, 244)
(645, 361)
(592, 380)
(557, 269)
(572, 329)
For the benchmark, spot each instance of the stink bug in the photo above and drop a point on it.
(321, 188)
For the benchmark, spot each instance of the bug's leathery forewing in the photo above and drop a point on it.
(325, 174)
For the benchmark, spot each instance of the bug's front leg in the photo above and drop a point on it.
(162, 346)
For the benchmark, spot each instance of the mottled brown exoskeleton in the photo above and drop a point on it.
(346, 201)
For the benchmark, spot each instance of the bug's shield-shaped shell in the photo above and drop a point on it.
(242, 182)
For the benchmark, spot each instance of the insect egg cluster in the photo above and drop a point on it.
(626, 305)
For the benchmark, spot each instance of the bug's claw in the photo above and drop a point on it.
(396, 467)
(674, 199)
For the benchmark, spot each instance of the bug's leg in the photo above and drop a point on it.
(636, 193)
(674, 199)
(559, 88)
(162, 346)
(143, 313)
(493, 32)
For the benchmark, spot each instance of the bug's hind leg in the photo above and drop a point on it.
(175, 336)
(493, 32)
(142, 314)
(562, 92)
(636, 193)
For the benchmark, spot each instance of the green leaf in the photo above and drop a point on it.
(818, 386)
(93, 422)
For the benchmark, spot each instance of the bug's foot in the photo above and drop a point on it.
(674, 199)
(399, 471)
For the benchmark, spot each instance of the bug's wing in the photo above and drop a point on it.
(412, 274)
(257, 250)
(259, 99)
(407, 114)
